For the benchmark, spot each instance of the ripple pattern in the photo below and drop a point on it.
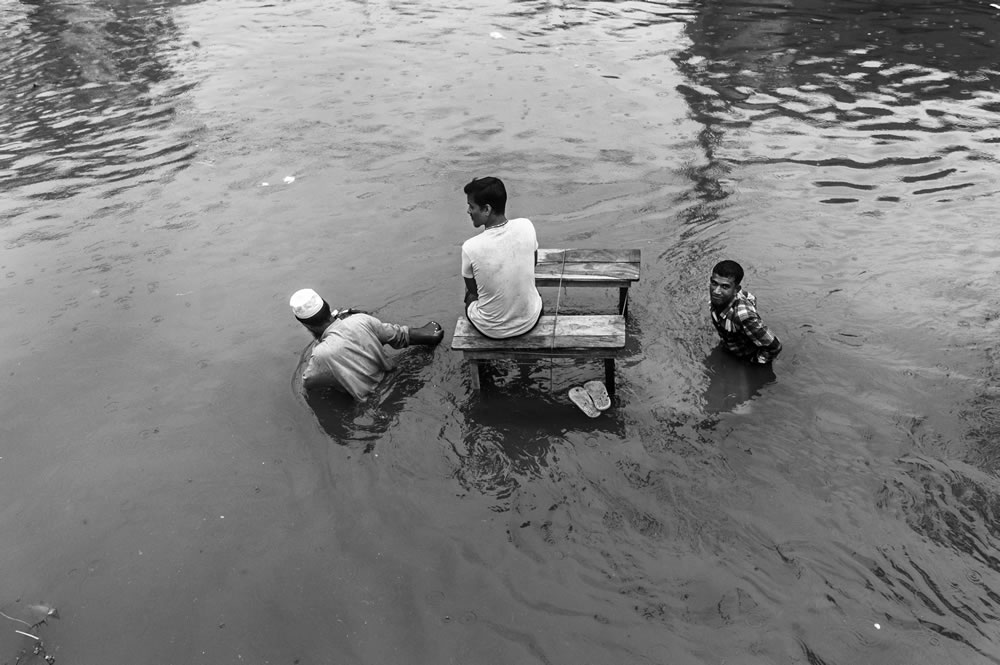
(90, 99)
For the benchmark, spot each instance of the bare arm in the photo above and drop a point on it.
(471, 289)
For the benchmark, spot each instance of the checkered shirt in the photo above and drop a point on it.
(742, 331)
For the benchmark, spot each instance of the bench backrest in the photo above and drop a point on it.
(620, 266)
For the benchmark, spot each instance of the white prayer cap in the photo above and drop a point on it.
(305, 303)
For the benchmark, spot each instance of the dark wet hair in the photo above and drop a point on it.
(488, 190)
(730, 269)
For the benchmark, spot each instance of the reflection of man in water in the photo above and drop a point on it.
(349, 352)
(744, 335)
(734, 315)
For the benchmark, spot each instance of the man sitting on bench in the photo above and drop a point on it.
(498, 265)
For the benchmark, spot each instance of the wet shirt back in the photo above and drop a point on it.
(502, 260)
(351, 355)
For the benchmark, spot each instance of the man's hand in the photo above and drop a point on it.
(769, 353)
(430, 334)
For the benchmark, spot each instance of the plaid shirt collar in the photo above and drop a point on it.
(742, 297)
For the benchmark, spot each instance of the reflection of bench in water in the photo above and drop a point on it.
(607, 268)
(600, 337)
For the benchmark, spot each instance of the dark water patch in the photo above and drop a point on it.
(951, 504)
(837, 183)
(37, 236)
(982, 419)
(90, 91)
(359, 424)
(935, 190)
(794, 81)
(930, 176)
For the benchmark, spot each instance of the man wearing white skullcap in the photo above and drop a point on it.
(349, 352)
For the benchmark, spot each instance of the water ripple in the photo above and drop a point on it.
(91, 99)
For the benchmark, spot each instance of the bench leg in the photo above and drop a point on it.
(623, 300)
(609, 375)
(474, 372)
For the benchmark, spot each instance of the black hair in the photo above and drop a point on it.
(488, 190)
(730, 269)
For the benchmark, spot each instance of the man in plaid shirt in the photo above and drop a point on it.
(734, 314)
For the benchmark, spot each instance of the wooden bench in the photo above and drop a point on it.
(608, 268)
(562, 336)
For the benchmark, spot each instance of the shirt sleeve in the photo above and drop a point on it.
(754, 328)
(319, 370)
(392, 334)
(466, 264)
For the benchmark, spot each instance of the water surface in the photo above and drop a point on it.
(165, 486)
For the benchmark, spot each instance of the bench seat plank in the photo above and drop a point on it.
(536, 354)
(563, 336)
(575, 333)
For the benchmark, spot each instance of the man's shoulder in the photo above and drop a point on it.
(745, 306)
(474, 243)
(345, 323)
(359, 319)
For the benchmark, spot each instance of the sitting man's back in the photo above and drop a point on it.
(498, 265)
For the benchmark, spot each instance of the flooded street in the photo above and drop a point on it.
(172, 171)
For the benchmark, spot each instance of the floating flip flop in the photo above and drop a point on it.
(581, 398)
(599, 394)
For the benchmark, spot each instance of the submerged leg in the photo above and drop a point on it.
(474, 373)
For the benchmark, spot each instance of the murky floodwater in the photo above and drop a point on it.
(164, 486)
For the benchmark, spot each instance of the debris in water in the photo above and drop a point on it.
(44, 610)
(289, 179)
(497, 35)
(7, 616)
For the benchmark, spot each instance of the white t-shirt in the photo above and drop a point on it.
(502, 260)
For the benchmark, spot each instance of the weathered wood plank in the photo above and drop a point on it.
(604, 283)
(590, 255)
(571, 332)
(588, 267)
(536, 354)
(588, 272)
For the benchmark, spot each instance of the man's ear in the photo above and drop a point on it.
(488, 208)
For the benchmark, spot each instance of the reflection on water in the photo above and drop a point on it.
(91, 100)
(512, 429)
(733, 382)
(351, 422)
(956, 508)
(159, 477)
